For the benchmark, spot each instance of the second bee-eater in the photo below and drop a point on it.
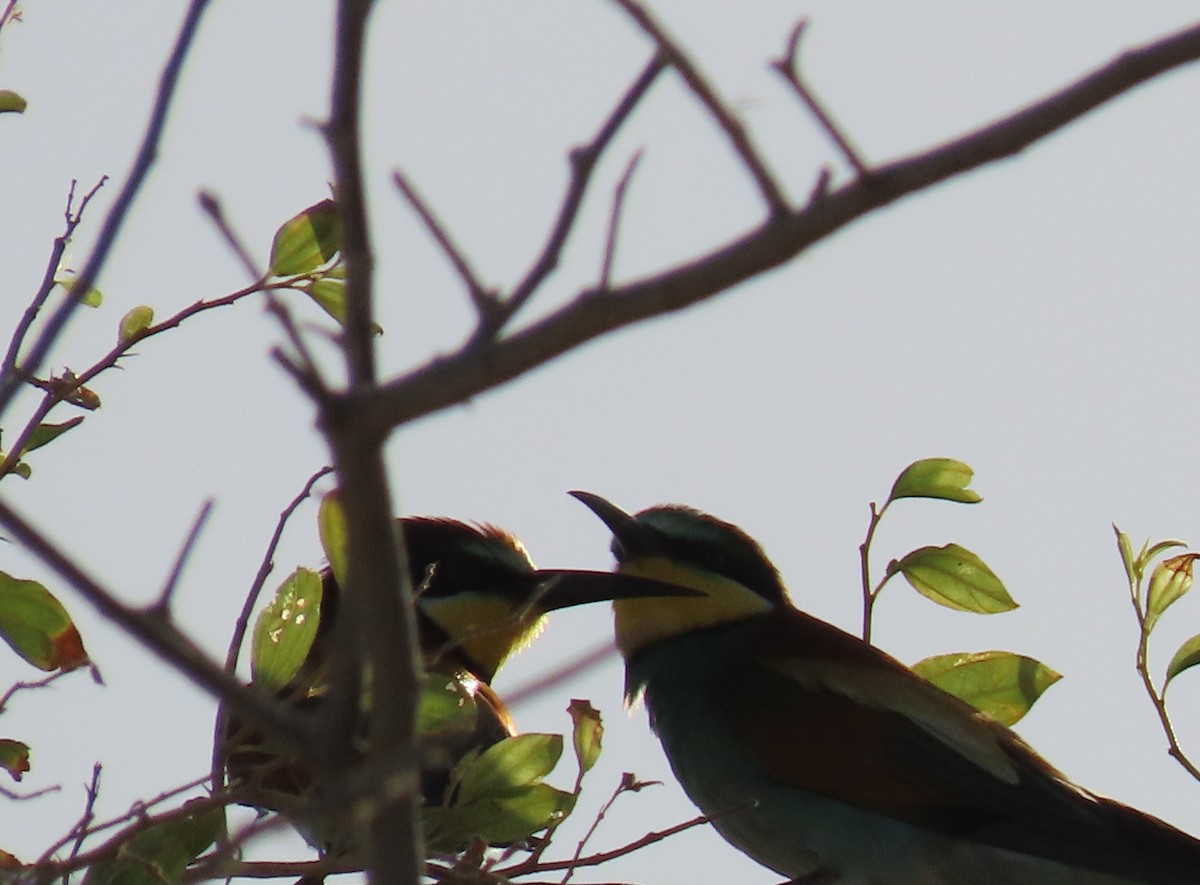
(479, 598)
(827, 760)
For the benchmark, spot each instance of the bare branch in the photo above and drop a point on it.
(450, 380)
(82, 826)
(25, 686)
(162, 607)
(164, 639)
(73, 218)
(777, 203)
(10, 381)
(583, 162)
(482, 297)
(210, 205)
(614, 220)
(788, 67)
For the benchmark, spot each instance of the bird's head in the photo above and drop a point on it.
(725, 567)
(479, 588)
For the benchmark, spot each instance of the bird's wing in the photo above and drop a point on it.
(864, 729)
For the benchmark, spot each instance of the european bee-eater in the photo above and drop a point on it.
(829, 761)
(479, 598)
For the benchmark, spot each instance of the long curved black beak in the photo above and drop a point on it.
(630, 537)
(564, 588)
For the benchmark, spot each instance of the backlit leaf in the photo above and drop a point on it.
(587, 734)
(134, 323)
(14, 757)
(331, 526)
(37, 626)
(508, 767)
(955, 577)
(11, 102)
(284, 631)
(941, 478)
(307, 240)
(495, 820)
(46, 433)
(1002, 684)
(1186, 657)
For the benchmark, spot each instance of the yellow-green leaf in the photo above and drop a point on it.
(495, 820)
(14, 757)
(284, 631)
(1170, 580)
(11, 102)
(331, 526)
(37, 626)
(1186, 657)
(587, 734)
(1002, 684)
(508, 767)
(135, 323)
(941, 478)
(955, 577)
(1125, 547)
(46, 433)
(91, 298)
(307, 240)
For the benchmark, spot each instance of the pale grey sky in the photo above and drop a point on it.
(1034, 319)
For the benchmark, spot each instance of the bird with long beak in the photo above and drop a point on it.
(479, 599)
(829, 761)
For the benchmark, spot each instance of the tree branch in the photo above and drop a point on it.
(10, 381)
(450, 380)
(777, 203)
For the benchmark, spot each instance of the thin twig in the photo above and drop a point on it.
(583, 162)
(243, 621)
(628, 784)
(82, 826)
(788, 67)
(210, 204)
(481, 296)
(614, 219)
(9, 13)
(73, 219)
(107, 236)
(22, 686)
(777, 203)
(162, 638)
(162, 606)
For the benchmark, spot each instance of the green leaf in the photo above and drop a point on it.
(497, 821)
(1186, 657)
(1169, 581)
(307, 241)
(284, 631)
(587, 734)
(160, 853)
(11, 102)
(955, 577)
(14, 757)
(331, 526)
(92, 298)
(134, 324)
(330, 296)
(46, 433)
(37, 626)
(1125, 546)
(445, 708)
(1002, 684)
(508, 767)
(941, 478)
